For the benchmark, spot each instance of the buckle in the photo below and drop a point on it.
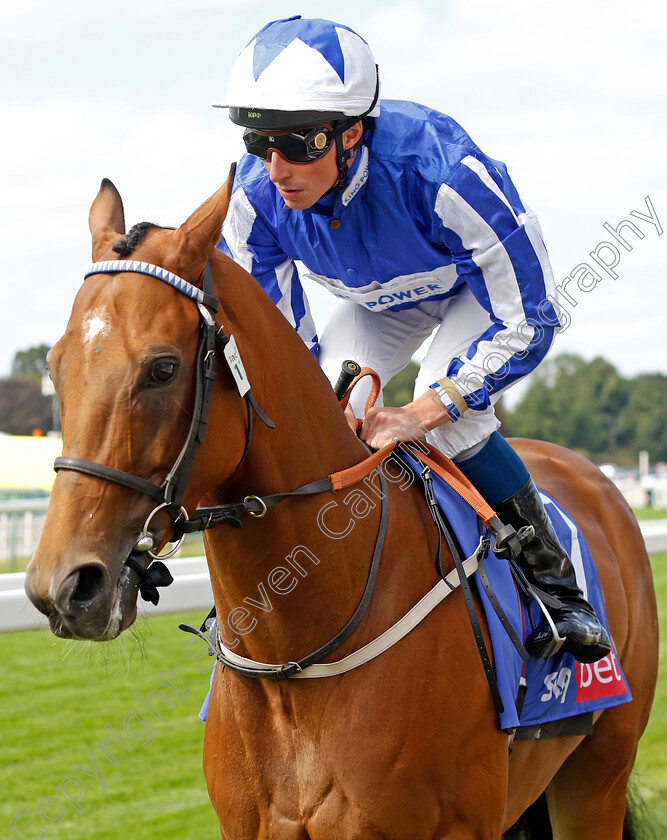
(428, 487)
(288, 670)
(510, 543)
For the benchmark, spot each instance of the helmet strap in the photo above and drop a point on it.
(344, 155)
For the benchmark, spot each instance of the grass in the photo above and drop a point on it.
(651, 513)
(56, 698)
(651, 766)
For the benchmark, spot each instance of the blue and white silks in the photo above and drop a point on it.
(425, 213)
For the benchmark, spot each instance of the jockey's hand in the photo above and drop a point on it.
(382, 425)
(351, 418)
(413, 420)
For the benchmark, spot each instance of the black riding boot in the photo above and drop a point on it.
(547, 565)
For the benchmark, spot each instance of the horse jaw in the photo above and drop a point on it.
(84, 593)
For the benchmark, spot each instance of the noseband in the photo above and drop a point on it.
(170, 494)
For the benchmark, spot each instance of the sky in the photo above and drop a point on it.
(570, 95)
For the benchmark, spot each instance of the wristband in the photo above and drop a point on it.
(451, 398)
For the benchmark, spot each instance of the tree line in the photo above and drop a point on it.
(23, 407)
(584, 405)
(588, 406)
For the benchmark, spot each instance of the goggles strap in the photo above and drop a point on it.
(344, 155)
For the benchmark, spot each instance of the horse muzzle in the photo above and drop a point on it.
(84, 602)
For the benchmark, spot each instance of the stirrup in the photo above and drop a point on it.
(557, 641)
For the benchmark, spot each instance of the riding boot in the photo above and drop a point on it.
(548, 566)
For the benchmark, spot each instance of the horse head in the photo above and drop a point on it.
(124, 374)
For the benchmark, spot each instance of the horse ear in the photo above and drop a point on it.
(195, 238)
(106, 219)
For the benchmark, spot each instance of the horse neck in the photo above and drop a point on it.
(311, 432)
(285, 562)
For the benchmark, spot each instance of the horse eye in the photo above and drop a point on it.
(161, 372)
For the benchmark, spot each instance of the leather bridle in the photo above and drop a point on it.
(170, 494)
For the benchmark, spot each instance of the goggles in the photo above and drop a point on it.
(302, 146)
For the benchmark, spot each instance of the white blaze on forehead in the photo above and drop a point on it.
(96, 324)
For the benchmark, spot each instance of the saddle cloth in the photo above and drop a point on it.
(538, 692)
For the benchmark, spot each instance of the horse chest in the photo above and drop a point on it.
(329, 770)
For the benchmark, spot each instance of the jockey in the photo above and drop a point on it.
(402, 217)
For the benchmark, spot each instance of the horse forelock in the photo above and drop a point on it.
(125, 246)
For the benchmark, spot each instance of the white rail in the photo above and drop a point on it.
(191, 589)
(21, 523)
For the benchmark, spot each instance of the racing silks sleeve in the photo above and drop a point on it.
(498, 250)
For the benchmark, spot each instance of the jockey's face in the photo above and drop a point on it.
(303, 184)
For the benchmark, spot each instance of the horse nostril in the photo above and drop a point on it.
(91, 581)
(82, 590)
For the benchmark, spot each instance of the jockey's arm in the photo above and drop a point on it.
(382, 425)
(500, 256)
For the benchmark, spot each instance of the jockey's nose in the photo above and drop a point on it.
(278, 167)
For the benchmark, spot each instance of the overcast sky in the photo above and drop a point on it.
(571, 95)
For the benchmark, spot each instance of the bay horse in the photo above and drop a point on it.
(407, 746)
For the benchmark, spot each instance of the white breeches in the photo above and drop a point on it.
(386, 341)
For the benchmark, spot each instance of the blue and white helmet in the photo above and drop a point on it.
(297, 72)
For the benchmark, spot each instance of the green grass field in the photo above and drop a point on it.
(651, 513)
(56, 699)
(651, 766)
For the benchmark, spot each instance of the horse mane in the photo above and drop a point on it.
(129, 242)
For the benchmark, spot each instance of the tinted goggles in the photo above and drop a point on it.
(302, 146)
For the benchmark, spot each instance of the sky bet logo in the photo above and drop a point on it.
(593, 682)
(601, 679)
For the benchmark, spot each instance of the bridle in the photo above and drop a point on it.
(170, 494)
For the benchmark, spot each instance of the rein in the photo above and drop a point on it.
(251, 668)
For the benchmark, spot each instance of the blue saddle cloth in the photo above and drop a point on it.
(546, 690)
